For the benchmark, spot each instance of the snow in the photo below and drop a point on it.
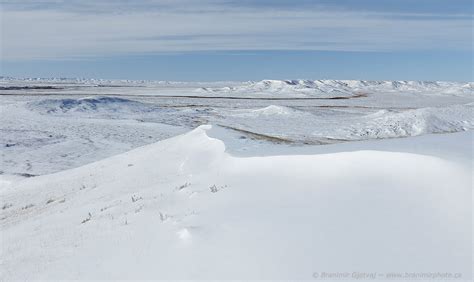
(343, 88)
(336, 125)
(264, 88)
(49, 125)
(87, 104)
(118, 179)
(271, 111)
(184, 208)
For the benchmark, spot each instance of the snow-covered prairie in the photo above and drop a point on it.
(52, 125)
(255, 180)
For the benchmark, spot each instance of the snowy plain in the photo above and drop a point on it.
(226, 180)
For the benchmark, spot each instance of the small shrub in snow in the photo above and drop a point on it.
(6, 206)
(184, 186)
(136, 199)
(213, 188)
(163, 217)
(27, 206)
(89, 217)
(139, 209)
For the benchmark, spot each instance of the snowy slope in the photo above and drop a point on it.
(183, 208)
(91, 104)
(336, 125)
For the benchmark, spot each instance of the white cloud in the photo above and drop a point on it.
(57, 29)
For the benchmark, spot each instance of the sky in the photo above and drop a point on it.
(190, 40)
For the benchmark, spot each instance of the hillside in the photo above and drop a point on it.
(184, 208)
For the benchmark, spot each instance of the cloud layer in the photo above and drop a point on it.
(78, 29)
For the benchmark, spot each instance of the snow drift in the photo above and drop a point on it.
(183, 208)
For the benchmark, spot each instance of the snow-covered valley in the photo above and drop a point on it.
(227, 180)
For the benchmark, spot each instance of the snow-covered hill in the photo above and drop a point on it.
(183, 208)
(343, 88)
(337, 125)
(91, 104)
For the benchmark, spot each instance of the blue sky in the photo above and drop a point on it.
(238, 39)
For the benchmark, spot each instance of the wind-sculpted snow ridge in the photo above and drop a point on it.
(183, 208)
